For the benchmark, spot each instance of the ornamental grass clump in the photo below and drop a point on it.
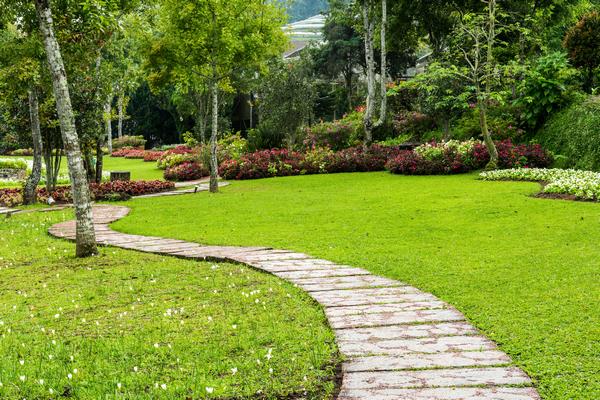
(583, 185)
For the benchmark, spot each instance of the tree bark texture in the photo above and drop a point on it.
(214, 165)
(369, 58)
(120, 112)
(108, 123)
(30, 191)
(85, 234)
(383, 77)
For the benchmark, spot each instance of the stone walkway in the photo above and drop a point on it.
(398, 342)
(7, 211)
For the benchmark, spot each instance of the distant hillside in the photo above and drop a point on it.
(302, 9)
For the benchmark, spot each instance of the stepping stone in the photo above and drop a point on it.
(421, 361)
(440, 344)
(383, 380)
(293, 275)
(274, 256)
(340, 298)
(384, 308)
(494, 393)
(394, 318)
(345, 282)
(291, 267)
(406, 331)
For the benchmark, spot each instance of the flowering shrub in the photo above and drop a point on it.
(138, 154)
(11, 163)
(263, 164)
(187, 171)
(581, 184)
(99, 191)
(129, 141)
(232, 147)
(169, 160)
(456, 157)
(152, 155)
(334, 135)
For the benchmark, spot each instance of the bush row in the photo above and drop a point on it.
(187, 171)
(118, 190)
(431, 158)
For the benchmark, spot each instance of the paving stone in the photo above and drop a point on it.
(494, 393)
(275, 256)
(439, 344)
(421, 361)
(406, 331)
(394, 318)
(291, 267)
(293, 275)
(384, 308)
(366, 299)
(345, 282)
(492, 376)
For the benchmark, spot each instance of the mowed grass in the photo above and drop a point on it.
(526, 271)
(128, 325)
(139, 169)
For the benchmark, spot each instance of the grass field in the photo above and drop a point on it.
(127, 325)
(139, 169)
(526, 271)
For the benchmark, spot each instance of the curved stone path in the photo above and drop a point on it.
(398, 342)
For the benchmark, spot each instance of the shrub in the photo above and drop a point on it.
(9, 163)
(232, 147)
(335, 135)
(99, 191)
(22, 152)
(134, 153)
(168, 160)
(129, 141)
(412, 123)
(152, 156)
(187, 171)
(581, 41)
(574, 134)
(581, 184)
(263, 164)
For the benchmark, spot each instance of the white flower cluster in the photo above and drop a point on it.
(582, 184)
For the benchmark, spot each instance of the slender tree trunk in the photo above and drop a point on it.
(85, 234)
(490, 70)
(30, 192)
(120, 101)
(108, 122)
(369, 58)
(487, 138)
(99, 161)
(214, 165)
(348, 81)
(383, 84)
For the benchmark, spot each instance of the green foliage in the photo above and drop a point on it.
(286, 101)
(442, 93)
(232, 147)
(546, 87)
(574, 134)
(129, 141)
(12, 163)
(581, 42)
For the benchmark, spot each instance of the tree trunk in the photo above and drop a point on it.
(348, 81)
(99, 161)
(214, 165)
(108, 123)
(120, 112)
(383, 87)
(487, 138)
(30, 191)
(85, 234)
(368, 117)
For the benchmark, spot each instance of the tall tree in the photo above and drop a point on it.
(85, 234)
(218, 41)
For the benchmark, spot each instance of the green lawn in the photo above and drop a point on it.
(139, 169)
(130, 325)
(524, 270)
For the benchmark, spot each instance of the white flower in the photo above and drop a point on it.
(41, 381)
(210, 390)
(22, 378)
(119, 385)
(135, 369)
(22, 362)
(163, 386)
(234, 371)
(70, 376)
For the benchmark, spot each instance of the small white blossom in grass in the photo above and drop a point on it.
(119, 385)
(41, 381)
(22, 378)
(50, 356)
(57, 316)
(156, 345)
(51, 391)
(210, 389)
(234, 371)
(135, 369)
(163, 386)
(270, 370)
(75, 371)
(210, 319)
(22, 362)
(234, 326)
(70, 376)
